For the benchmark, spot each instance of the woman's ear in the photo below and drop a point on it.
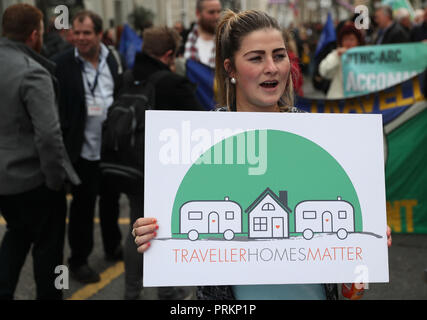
(227, 67)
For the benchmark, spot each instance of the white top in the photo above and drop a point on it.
(331, 68)
(97, 103)
(205, 48)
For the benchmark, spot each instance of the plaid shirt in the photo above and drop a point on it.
(191, 49)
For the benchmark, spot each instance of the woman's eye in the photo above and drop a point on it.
(280, 57)
(257, 58)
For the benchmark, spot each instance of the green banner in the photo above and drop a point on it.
(368, 69)
(404, 111)
(406, 174)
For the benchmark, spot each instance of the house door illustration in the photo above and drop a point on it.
(278, 227)
(213, 222)
(327, 222)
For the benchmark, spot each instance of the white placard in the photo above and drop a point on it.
(265, 198)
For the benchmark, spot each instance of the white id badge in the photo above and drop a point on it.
(94, 111)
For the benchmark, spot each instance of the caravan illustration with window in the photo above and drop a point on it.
(210, 217)
(324, 216)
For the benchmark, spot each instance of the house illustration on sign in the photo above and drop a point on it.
(269, 215)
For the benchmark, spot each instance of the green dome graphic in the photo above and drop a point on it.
(289, 163)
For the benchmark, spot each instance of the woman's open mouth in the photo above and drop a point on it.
(270, 84)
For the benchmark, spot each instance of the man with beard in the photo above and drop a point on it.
(200, 45)
(32, 156)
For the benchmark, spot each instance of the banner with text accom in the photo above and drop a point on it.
(369, 69)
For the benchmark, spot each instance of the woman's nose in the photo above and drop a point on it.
(270, 66)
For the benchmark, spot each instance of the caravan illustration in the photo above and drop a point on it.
(211, 217)
(336, 216)
(268, 217)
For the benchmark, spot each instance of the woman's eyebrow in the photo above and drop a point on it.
(263, 51)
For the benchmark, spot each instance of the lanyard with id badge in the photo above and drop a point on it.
(94, 109)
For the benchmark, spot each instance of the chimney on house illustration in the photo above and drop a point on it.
(283, 197)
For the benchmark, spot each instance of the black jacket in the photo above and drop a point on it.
(419, 33)
(173, 92)
(54, 44)
(72, 102)
(394, 34)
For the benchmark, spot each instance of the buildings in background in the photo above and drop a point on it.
(167, 12)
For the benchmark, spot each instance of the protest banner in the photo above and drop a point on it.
(264, 198)
(373, 68)
(403, 108)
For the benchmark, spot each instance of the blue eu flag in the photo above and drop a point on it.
(328, 35)
(130, 45)
(203, 76)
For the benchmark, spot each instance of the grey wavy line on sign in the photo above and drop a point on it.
(369, 234)
(247, 239)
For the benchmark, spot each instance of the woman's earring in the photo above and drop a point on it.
(233, 81)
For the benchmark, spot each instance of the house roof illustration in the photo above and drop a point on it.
(282, 200)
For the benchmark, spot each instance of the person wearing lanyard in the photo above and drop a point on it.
(89, 79)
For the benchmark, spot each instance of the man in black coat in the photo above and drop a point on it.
(389, 31)
(172, 92)
(89, 78)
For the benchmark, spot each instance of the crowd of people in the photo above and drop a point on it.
(57, 97)
(60, 88)
(386, 27)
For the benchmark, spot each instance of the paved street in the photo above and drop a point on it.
(309, 91)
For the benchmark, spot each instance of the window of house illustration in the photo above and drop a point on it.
(195, 215)
(268, 207)
(260, 224)
(229, 215)
(342, 214)
(309, 214)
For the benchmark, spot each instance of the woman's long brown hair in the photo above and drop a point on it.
(230, 32)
